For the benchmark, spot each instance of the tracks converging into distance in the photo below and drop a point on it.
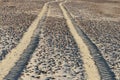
(93, 63)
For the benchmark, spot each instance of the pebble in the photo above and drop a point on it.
(59, 61)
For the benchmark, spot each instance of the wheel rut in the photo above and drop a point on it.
(10, 60)
(57, 56)
(101, 70)
(51, 49)
(89, 63)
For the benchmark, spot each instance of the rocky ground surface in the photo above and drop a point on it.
(57, 56)
(15, 18)
(101, 22)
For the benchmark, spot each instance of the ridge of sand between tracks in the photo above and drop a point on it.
(12, 57)
(89, 64)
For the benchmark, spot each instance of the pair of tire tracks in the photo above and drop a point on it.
(13, 57)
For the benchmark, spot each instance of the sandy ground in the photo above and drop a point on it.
(14, 55)
(57, 56)
(89, 64)
(100, 21)
(54, 11)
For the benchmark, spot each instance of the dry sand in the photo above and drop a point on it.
(54, 11)
(14, 55)
(89, 64)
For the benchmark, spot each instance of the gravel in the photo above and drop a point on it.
(57, 56)
(102, 28)
(15, 18)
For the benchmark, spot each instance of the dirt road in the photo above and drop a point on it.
(61, 53)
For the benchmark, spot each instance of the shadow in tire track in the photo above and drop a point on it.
(103, 68)
(15, 72)
(19, 66)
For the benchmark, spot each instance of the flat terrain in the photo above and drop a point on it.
(15, 19)
(59, 59)
(59, 40)
(100, 20)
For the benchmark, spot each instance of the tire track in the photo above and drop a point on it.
(103, 68)
(57, 56)
(10, 60)
(89, 64)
